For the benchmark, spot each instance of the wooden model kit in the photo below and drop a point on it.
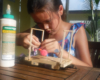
(55, 63)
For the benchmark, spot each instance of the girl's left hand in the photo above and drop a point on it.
(50, 45)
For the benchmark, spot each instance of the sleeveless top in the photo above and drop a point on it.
(75, 27)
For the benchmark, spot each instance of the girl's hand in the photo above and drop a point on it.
(25, 40)
(50, 45)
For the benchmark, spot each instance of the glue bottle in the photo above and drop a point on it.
(7, 39)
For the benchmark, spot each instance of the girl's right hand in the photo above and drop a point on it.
(24, 40)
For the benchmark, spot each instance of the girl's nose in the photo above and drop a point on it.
(46, 26)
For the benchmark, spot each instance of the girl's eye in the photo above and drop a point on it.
(48, 21)
(39, 24)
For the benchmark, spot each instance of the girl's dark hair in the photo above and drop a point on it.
(35, 5)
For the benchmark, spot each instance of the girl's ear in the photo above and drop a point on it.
(60, 10)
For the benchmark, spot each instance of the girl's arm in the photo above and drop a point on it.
(19, 37)
(23, 39)
(81, 45)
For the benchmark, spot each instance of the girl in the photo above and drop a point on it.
(47, 14)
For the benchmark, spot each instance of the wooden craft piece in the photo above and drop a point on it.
(31, 33)
(55, 63)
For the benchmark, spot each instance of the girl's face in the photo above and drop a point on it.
(49, 21)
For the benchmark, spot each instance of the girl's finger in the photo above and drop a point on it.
(50, 50)
(45, 46)
(35, 38)
(46, 41)
(26, 44)
(35, 43)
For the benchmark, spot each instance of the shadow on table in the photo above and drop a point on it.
(20, 60)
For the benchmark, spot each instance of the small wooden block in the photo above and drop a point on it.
(27, 59)
(54, 62)
(34, 63)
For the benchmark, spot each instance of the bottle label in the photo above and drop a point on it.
(8, 42)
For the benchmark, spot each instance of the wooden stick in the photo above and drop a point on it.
(31, 39)
(70, 45)
(33, 49)
(62, 48)
(42, 36)
(42, 32)
(37, 29)
(30, 44)
(63, 44)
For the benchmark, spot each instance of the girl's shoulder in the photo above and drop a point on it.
(76, 26)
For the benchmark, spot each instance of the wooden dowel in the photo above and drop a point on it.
(42, 32)
(62, 48)
(33, 49)
(63, 44)
(37, 29)
(42, 36)
(31, 33)
(70, 45)
(30, 43)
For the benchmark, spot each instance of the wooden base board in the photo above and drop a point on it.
(54, 62)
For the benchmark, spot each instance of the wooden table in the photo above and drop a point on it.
(28, 72)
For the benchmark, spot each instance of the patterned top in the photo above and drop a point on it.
(75, 27)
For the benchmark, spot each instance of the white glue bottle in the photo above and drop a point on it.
(7, 39)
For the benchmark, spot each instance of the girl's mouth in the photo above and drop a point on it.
(49, 31)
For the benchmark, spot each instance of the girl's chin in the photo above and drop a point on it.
(52, 33)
